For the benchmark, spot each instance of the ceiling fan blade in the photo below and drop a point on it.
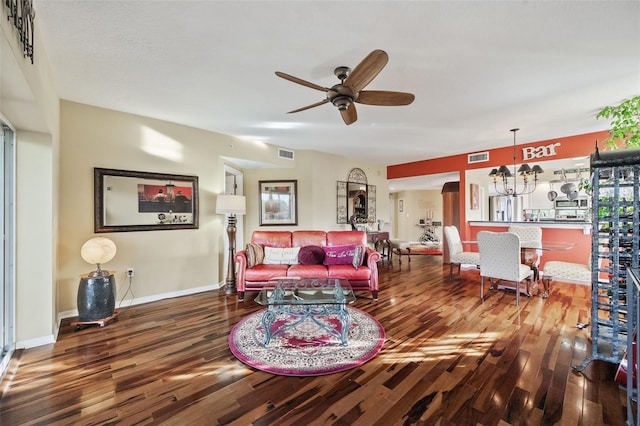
(384, 98)
(309, 106)
(300, 81)
(349, 115)
(366, 70)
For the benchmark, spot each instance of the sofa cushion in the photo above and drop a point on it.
(340, 238)
(311, 255)
(308, 238)
(358, 256)
(281, 256)
(255, 254)
(272, 238)
(307, 271)
(264, 273)
(349, 254)
(349, 272)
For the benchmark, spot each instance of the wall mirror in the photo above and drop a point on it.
(356, 200)
(127, 200)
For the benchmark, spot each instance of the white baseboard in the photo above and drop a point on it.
(38, 341)
(126, 303)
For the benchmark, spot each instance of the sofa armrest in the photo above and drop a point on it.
(373, 257)
(241, 260)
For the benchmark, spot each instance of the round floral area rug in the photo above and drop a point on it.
(306, 349)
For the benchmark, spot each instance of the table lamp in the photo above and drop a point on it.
(97, 289)
(98, 250)
(231, 205)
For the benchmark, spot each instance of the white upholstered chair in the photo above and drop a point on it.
(500, 260)
(457, 255)
(565, 271)
(530, 236)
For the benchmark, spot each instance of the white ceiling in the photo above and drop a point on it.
(477, 68)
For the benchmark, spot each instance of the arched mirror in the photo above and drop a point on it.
(356, 200)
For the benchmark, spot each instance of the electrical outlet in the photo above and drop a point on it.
(130, 272)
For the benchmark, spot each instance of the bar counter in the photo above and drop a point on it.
(566, 224)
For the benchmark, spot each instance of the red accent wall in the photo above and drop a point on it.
(571, 146)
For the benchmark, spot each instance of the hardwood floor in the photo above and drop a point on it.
(449, 359)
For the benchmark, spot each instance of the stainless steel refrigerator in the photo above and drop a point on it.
(503, 208)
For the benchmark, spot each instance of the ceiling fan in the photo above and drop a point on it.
(349, 91)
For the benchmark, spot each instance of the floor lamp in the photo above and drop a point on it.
(231, 205)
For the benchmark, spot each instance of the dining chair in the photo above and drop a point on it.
(457, 255)
(530, 236)
(566, 271)
(500, 260)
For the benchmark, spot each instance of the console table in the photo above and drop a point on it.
(380, 237)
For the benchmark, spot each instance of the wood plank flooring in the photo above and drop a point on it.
(448, 359)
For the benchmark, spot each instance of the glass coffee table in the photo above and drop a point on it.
(307, 299)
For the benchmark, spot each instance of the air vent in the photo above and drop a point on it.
(285, 153)
(478, 157)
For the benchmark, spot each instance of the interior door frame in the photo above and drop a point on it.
(7, 249)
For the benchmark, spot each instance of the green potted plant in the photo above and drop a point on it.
(625, 123)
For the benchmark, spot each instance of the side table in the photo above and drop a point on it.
(380, 237)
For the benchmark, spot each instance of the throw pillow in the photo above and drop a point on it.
(358, 256)
(343, 255)
(311, 255)
(255, 255)
(281, 256)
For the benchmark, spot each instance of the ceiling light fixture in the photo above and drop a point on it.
(525, 171)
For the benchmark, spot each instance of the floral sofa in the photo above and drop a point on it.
(307, 254)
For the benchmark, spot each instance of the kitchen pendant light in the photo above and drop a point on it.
(503, 173)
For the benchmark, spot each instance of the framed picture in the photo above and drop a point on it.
(126, 200)
(474, 194)
(401, 205)
(278, 202)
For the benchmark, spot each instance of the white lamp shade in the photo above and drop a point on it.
(231, 204)
(98, 250)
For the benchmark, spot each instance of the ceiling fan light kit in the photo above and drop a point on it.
(349, 91)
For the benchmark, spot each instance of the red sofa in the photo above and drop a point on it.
(364, 278)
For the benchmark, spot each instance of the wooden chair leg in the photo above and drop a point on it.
(546, 283)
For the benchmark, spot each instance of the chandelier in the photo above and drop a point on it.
(503, 173)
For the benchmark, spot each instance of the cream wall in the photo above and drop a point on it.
(317, 174)
(175, 261)
(34, 224)
(28, 103)
(415, 206)
(164, 261)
